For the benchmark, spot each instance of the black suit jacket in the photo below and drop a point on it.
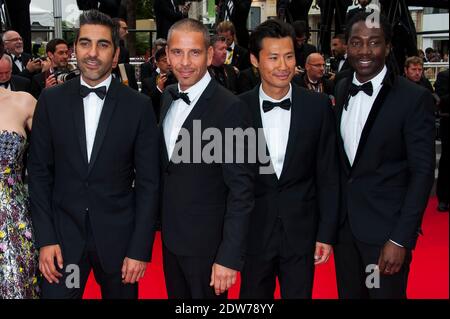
(37, 84)
(241, 57)
(165, 15)
(65, 188)
(19, 83)
(150, 89)
(306, 196)
(25, 73)
(230, 77)
(247, 80)
(206, 207)
(328, 85)
(386, 190)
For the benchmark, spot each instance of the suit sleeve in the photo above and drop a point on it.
(146, 162)
(419, 136)
(168, 12)
(327, 177)
(41, 176)
(239, 178)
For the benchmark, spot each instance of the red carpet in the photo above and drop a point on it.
(428, 277)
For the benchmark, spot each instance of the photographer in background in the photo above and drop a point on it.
(58, 54)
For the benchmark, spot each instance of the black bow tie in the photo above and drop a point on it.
(355, 89)
(229, 49)
(180, 95)
(17, 58)
(285, 104)
(100, 91)
(366, 88)
(5, 84)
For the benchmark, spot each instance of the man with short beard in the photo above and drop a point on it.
(94, 173)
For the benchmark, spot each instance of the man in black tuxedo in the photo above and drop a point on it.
(443, 182)
(339, 53)
(23, 64)
(10, 81)
(387, 153)
(58, 54)
(162, 77)
(206, 202)
(94, 173)
(167, 12)
(294, 222)
(237, 55)
(223, 73)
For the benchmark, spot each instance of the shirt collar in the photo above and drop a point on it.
(197, 89)
(233, 45)
(377, 81)
(106, 83)
(264, 97)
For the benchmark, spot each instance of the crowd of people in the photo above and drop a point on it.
(351, 147)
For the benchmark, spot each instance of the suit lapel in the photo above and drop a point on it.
(201, 105)
(376, 107)
(105, 118)
(78, 117)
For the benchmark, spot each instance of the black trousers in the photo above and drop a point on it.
(355, 274)
(110, 283)
(443, 182)
(295, 273)
(188, 277)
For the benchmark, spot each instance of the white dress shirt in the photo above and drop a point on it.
(342, 62)
(276, 124)
(18, 63)
(354, 118)
(92, 106)
(179, 111)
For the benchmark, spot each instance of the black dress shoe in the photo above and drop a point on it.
(443, 207)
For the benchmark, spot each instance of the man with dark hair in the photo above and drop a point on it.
(237, 55)
(339, 53)
(302, 48)
(414, 72)
(94, 174)
(149, 67)
(387, 152)
(162, 77)
(58, 53)
(124, 56)
(294, 221)
(223, 73)
(206, 202)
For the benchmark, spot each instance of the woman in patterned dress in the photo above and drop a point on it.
(18, 256)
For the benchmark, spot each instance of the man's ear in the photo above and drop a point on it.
(254, 60)
(210, 54)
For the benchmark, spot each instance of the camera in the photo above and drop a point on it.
(62, 76)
